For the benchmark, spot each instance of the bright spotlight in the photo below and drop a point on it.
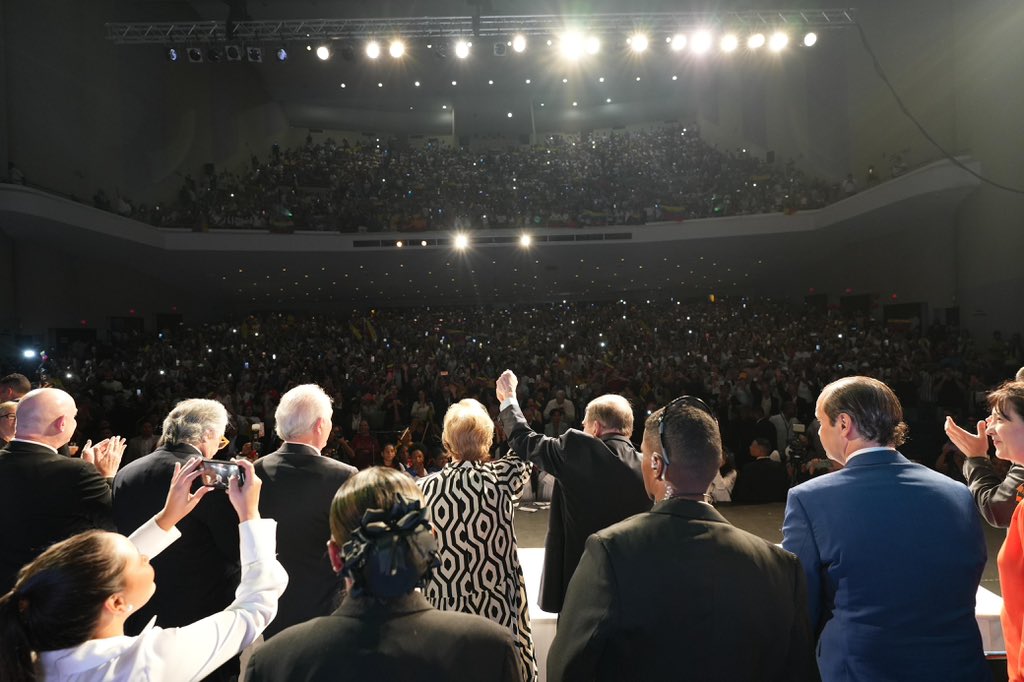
(396, 49)
(28, 353)
(373, 49)
(638, 42)
(571, 45)
(778, 42)
(462, 49)
(399, 244)
(729, 42)
(701, 42)
(461, 241)
(593, 45)
(323, 53)
(755, 41)
(519, 43)
(678, 42)
(525, 240)
(810, 39)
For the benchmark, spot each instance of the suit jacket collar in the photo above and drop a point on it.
(30, 447)
(290, 449)
(360, 606)
(882, 455)
(690, 509)
(617, 438)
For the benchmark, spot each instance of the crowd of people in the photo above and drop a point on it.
(567, 180)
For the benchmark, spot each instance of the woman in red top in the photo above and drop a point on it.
(1005, 426)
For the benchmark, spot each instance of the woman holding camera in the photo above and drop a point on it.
(64, 618)
(470, 502)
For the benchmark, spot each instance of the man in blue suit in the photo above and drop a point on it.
(893, 552)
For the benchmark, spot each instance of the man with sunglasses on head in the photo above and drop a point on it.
(597, 474)
(199, 572)
(678, 592)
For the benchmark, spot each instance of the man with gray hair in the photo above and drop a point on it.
(199, 572)
(298, 487)
(597, 479)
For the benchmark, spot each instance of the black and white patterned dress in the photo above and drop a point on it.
(470, 504)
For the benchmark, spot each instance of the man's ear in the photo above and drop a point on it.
(334, 552)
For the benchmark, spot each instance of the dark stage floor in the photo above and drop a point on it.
(762, 520)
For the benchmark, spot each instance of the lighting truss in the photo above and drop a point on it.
(294, 30)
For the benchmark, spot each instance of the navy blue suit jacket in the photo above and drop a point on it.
(893, 553)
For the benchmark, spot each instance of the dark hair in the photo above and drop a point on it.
(19, 383)
(692, 435)
(872, 406)
(764, 443)
(1008, 398)
(56, 600)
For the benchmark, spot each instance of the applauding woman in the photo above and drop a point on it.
(470, 502)
(68, 607)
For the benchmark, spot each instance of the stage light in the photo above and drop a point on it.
(571, 45)
(399, 244)
(810, 39)
(525, 240)
(233, 53)
(28, 353)
(755, 41)
(462, 49)
(701, 42)
(254, 54)
(372, 49)
(281, 54)
(172, 54)
(396, 49)
(416, 83)
(510, 114)
(678, 42)
(729, 42)
(593, 45)
(778, 41)
(519, 43)
(214, 54)
(637, 42)
(461, 241)
(323, 53)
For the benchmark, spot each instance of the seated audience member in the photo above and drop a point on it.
(557, 426)
(724, 482)
(298, 486)
(68, 607)
(198, 574)
(563, 405)
(761, 480)
(471, 506)
(364, 449)
(893, 552)
(417, 464)
(382, 546)
(389, 458)
(8, 419)
(724, 604)
(45, 496)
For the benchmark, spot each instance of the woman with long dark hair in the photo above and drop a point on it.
(64, 618)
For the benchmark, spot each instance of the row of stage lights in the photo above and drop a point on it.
(461, 241)
(572, 45)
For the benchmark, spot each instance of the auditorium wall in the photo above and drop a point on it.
(84, 114)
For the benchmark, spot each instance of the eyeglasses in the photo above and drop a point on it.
(9, 415)
(685, 401)
(223, 443)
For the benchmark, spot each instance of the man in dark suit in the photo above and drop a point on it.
(597, 474)
(893, 551)
(761, 480)
(14, 387)
(298, 486)
(44, 496)
(678, 592)
(198, 574)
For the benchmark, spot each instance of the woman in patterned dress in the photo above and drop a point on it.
(470, 502)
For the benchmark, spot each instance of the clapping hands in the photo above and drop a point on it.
(105, 455)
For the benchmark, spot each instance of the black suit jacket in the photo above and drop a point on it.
(45, 498)
(679, 593)
(298, 486)
(403, 639)
(761, 481)
(598, 483)
(198, 574)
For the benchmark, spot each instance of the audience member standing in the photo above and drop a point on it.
(470, 503)
(597, 473)
(44, 496)
(298, 486)
(893, 552)
(199, 573)
(762, 480)
(14, 387)
(678, 592)
(381, 545)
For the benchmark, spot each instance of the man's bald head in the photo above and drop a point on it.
(47, 415)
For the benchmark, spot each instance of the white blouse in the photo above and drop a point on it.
(193, 651)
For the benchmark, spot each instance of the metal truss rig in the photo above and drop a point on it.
(294, 30)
